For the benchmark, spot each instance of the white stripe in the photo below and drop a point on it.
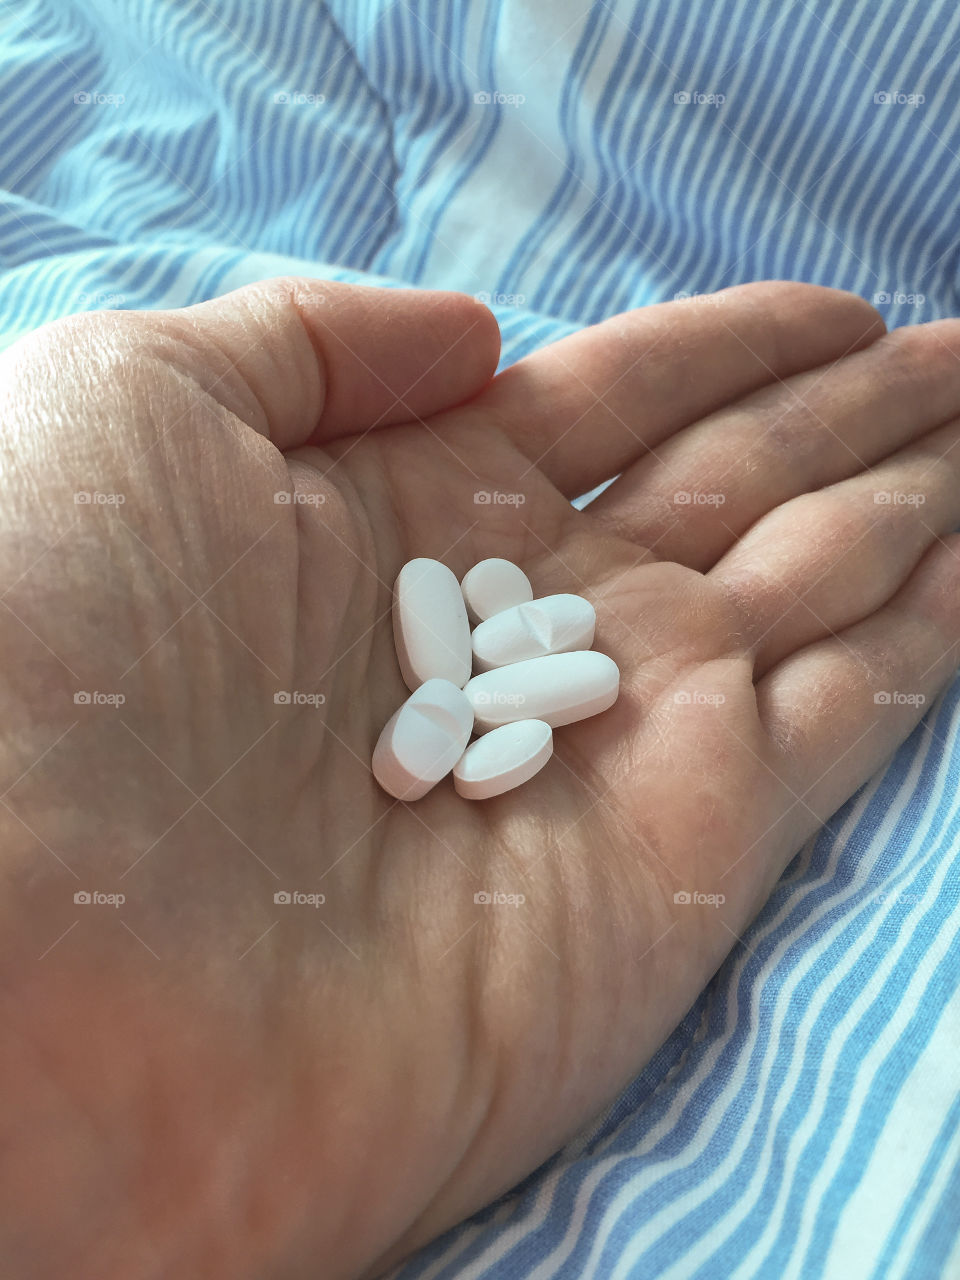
(773, 1093)
(893, 1165)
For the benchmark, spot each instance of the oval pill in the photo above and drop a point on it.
(430, 627)
(559, 688)
(503, 759)
(423, 740)
(555, 624)
(492, 586)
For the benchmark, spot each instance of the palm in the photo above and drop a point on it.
(449, 1045)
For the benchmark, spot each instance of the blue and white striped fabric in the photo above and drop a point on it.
(570, 160)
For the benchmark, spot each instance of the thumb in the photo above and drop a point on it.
(324, 359)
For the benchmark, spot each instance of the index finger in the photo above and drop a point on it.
(587, 406)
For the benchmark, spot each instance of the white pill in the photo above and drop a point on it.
(555, 624)
(494, 585)
(559, 688)
(503, 759)
(422, 741)
(430, 627)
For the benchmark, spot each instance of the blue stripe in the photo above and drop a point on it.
(747, 1145)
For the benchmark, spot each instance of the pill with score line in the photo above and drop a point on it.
(423, 740)
(492, 586)
(554, 624)
(430, 626)
(559, 688)
(535, 672)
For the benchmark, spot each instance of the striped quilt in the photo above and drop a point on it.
(566, 160)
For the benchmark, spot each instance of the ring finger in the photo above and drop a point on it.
(826, 560)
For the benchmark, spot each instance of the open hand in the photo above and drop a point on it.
(204, 1079)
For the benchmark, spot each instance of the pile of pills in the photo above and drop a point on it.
(534, 668)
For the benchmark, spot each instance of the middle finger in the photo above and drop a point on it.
(703, 488)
